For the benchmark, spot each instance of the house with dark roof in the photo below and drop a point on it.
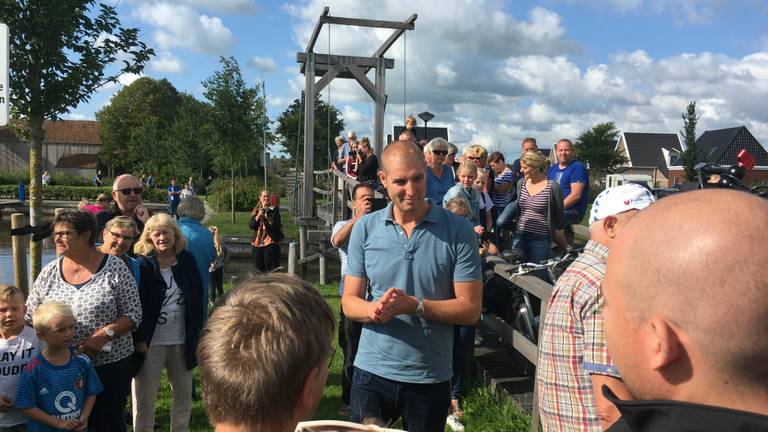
(721, 146)
(649, 154)
(70, 146)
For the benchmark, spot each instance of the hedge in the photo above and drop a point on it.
(76, 193)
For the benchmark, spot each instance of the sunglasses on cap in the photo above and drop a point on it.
(127, 191)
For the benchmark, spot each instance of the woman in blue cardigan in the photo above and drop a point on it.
(172, 301)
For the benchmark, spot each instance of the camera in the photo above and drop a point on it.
(269, 212)
(353, 153)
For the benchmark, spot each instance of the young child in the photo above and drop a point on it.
(18, 346)
(486, 204)
(464, 188)
(57, 388)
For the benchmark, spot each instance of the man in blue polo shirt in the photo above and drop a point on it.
(174, 197)
(574, 181)
(423, 266)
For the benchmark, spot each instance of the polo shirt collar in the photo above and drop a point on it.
(664, 415)
(432, 216)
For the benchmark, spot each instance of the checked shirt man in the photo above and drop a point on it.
(423, 266)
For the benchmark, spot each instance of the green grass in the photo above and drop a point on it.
(483, 411)
(240, 227)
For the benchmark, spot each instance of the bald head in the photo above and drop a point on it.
(698, 261)
(399, 152)
(125, 181)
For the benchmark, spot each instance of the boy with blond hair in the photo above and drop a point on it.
(18, 346)
(58, 387)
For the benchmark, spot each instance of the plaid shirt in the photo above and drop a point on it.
(573, 346)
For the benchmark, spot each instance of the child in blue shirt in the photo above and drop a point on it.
(58, 388)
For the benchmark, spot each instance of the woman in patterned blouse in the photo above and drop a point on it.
(102, 293)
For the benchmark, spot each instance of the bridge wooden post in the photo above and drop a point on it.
(303, 245)
(19, 245)
(292, 259)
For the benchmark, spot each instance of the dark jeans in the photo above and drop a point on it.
(422, 406)
(172, 207)
(107, 415)
(572, 216)
(217, 283)
(463, 339)
(266, 258)
(349, 339)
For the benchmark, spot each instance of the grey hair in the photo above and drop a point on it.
(191, 207)
(435, 142)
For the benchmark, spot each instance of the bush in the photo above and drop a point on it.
(76, 193)
(14, 177)
(247, 193)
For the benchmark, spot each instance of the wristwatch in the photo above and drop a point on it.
(110, 333)
(419, 311)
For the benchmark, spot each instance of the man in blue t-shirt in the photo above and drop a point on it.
(423, 267)
(174, 197)
(573, 179)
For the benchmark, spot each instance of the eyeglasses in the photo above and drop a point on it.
(64, 235)
(122, 237)
(440, 152)
(127, 191)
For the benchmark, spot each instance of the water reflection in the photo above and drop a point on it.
(236, 269)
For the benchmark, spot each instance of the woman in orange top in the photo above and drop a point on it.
(265, 221)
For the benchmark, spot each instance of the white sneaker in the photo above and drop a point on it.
(453, 422)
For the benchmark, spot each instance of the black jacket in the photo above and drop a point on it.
(152, 293)
(274, 229)
(674, 416)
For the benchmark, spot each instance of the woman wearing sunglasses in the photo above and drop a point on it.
(440, 177)
(102, 293)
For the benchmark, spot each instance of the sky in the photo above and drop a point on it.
(491, 71)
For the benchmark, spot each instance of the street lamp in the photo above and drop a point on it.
(426, 116)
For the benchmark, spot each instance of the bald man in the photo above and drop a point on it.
(422, 268)
(686, 314)
(126, 194)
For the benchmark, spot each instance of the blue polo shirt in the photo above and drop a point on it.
(575, 172)
(442, 249)
(200, 244)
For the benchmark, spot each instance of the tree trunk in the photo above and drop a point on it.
(36, 136)
(232, 193)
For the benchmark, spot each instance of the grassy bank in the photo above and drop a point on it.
(223, 220)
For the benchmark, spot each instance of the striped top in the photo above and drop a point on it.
(534, 210)
(573, 345)
(501, 200)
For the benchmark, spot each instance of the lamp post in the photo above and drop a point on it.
(426, 116)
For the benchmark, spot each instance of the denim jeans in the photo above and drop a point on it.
(422, 406)
(571, 216)
(536, 248)
(463, 340)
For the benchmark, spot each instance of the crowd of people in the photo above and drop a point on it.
(657, 325)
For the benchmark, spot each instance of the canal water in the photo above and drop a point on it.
(235, 269)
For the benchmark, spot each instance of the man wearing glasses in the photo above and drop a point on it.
(126, 197)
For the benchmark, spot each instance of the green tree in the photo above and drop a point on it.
(288, 129)
(596, 148)
(238, 116)
(135, 124)
(690, 156)
(189, 138)
(59, 53)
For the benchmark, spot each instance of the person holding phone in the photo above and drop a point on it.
(126, 197)
(268, 231)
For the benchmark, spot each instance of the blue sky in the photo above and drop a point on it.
(492, 71)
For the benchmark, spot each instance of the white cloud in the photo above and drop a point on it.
(180, 26)
(495, 78)
(228, 6)
(128, 78)
(166, 62)
(263, 64)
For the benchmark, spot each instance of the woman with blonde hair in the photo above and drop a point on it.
(172, 299)
(265, 222)
(540, 203)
